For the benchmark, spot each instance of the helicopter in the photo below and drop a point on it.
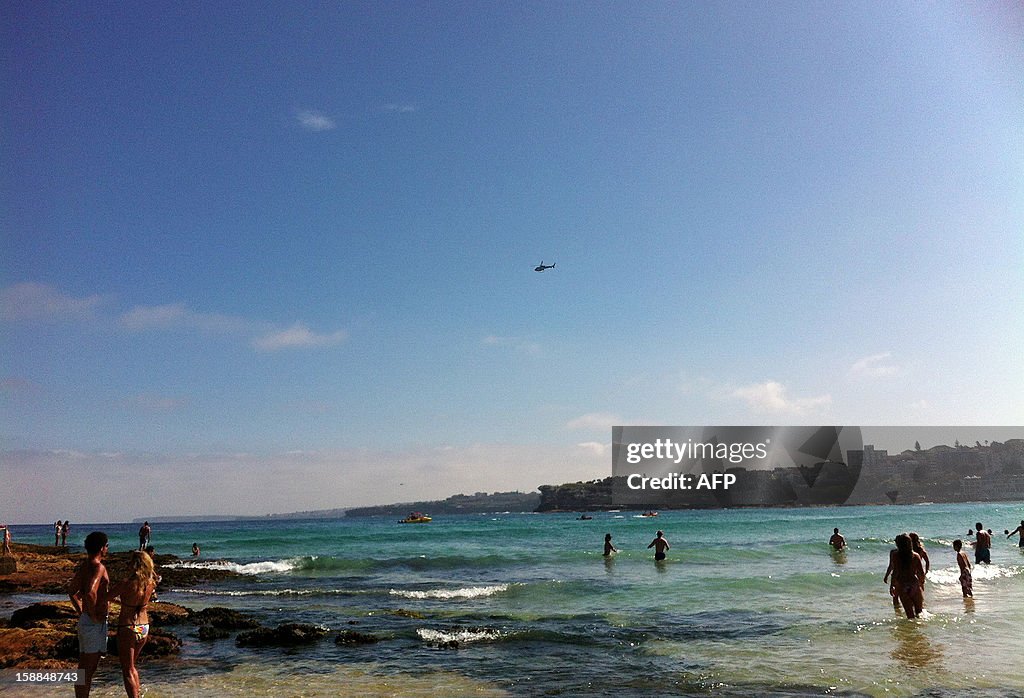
(542, 266)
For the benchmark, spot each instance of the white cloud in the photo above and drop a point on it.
(771, 397)
(35, 301)
(515, 343)
(315, 121)
(595, 420)
(595, 447)
(297, 336)
(171, 315)
(875, 366)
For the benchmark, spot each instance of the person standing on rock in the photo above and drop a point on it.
(89, 593)
(135, 593)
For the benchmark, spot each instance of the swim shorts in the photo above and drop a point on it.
(92, 636)
(966, 583)
(659, 556)
(982, 555)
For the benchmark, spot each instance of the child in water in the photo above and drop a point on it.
(966, 583)
(608, 547)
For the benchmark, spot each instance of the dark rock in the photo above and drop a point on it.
(163, 613)
(408, 614)
(8, 565)
(159, 644)
(352, 637)
(287, 635)
(208, 632)
(43, 614)
(224, 618)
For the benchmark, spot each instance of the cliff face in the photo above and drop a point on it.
(576, 496)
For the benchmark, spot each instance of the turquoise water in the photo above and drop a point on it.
(749, 602)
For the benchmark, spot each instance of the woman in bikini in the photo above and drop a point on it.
(908, 576)
(133, 622)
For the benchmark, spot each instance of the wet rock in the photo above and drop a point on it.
(208, 632)
(224, 618)
(287, 635)
(159, 644)
(43, 615)
(163, 613)
(408, 614)
(352, 637)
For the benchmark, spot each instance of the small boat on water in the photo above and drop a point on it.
(649, 514)
(416, 517)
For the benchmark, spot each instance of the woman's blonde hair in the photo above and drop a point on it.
(140, 571)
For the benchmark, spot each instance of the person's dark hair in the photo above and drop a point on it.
(957, 544)
(906, 550)
(95, 541)
(978, 525)
(150, 549)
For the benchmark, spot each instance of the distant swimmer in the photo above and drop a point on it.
(966, 583)
(837, 541)
(660, 545)
(1020, 534)
(982, 545)
(608, 547)
(542, 266)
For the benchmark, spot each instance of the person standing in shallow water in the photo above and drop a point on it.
(908, 576)
(837, 541)
(982, 545)
(608, 547)
(1020, 533)
(966, 583)
(660, 545)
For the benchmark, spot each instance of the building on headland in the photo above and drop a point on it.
(990, 472)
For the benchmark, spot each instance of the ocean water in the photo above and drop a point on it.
(750, 602)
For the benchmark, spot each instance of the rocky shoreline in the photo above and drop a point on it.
(44, 635)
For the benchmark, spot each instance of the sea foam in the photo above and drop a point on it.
(251, 568)
(464, 593)
(460, 635)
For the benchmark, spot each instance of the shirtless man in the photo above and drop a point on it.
(660, 545)
(1020, 532)
(837, 541)
(966, 583)
(88, 591)
(982, 545)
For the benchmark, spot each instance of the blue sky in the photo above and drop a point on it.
(279, 256)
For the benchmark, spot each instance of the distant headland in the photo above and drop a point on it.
(993, 471)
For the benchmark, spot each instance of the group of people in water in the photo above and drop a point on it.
(909, 564)
(660, 545)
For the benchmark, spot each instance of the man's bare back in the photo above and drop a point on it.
(89, 589)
